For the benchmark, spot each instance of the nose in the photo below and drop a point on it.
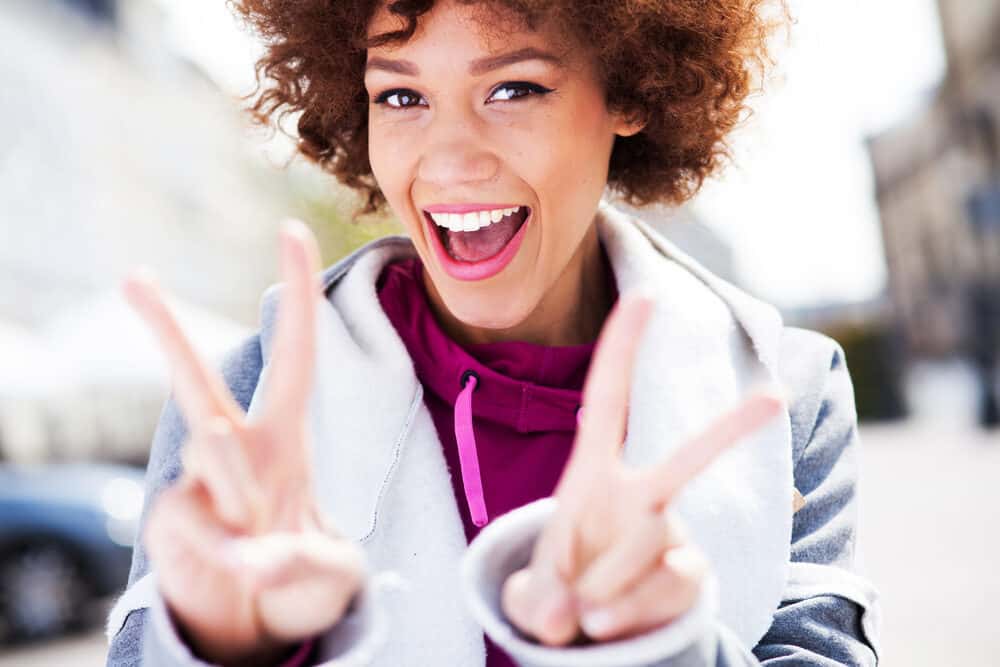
(454, 153)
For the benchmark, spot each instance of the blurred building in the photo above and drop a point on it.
(119, 151)
(116, 151)
(938, 188)
(929, 170)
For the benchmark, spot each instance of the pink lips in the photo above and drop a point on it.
(473, 270)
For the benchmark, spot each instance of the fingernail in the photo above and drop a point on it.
(139, 279)
(293, 228)
(597, 622)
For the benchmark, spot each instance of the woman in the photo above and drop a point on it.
(443, 387)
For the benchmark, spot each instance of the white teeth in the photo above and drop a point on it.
(473, 220)
(470, 221)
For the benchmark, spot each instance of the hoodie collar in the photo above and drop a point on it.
(524, 386)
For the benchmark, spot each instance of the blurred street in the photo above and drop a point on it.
(931, 541)
(82, 651)
(929, 530)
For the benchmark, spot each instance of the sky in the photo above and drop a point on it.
(797, 205)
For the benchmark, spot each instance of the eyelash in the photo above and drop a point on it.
(533, 88)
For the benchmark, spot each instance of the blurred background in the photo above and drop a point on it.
(864, 201)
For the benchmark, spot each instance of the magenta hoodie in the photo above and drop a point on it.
(516, 407)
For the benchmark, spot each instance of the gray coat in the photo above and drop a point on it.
(785, 588)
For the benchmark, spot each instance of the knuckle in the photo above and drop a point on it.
(513, 602)
(165, 511)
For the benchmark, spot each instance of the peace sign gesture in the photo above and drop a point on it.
(612, 560)
(245, 561)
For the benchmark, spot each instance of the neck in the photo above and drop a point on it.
(571, 312)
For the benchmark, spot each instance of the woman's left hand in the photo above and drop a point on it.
(613, 560)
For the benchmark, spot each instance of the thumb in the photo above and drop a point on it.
(540, 604)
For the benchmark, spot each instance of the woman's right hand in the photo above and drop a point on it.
(245, 560)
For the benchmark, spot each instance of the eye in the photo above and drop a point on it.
(399, 98)
(514, 89)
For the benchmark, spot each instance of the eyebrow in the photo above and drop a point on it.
(476, 67)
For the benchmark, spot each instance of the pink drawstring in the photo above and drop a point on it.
(467, 454)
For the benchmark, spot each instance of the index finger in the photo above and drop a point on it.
(291, 367)
(606, 391)
(199, 390)
(664, 480)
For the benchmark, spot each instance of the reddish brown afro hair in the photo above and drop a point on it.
(685, 67)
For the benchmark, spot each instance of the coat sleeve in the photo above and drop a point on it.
(139, 629)
(828, 614)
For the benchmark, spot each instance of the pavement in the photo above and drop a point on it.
(930, 530)
(930, 498)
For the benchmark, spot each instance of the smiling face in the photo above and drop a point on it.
(493, 151)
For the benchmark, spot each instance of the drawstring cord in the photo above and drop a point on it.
(468, 455)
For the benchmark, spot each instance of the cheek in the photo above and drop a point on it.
(387, 156)
(380, 162)
(568, 170)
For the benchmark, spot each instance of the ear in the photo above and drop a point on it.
(628, 124)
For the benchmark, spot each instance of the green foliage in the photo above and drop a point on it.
(874, 358)
(329, 215)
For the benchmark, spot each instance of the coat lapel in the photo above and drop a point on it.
(382, 478)
(700, 356)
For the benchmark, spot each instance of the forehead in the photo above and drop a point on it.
(480, 26)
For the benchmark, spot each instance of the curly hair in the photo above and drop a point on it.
(685, 67)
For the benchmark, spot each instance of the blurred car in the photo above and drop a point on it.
(66, 535)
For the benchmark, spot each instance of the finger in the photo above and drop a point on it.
(185, 543)
(667, 591)
(556, 549)
(282, 559)
(291, 365)
(219, 459)
(185, 539)
(537, 598)
(665, 479)
(200, 391)
(629, 558)
(307, 607)
(540, 605)
(606, 391)
(303, 582)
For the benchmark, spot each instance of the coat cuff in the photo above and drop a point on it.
(505, 546)
(352, 641)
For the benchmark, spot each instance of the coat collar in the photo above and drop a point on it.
(381, 474)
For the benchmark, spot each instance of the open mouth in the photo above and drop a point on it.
(477, 236)
(476, 245)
